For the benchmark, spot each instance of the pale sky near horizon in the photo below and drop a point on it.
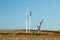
(13, 14)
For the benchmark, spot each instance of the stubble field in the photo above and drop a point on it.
(33, 35)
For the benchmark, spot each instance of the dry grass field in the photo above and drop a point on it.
(33, 35)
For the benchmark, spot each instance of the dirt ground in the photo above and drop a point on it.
(33, 35)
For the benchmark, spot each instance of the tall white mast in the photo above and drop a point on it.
(27, 20)
(30, 21)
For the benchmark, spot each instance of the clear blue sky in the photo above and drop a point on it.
(13, 14)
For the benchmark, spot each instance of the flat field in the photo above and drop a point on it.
(32, 35)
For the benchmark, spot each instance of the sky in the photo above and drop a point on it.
(13, 14)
